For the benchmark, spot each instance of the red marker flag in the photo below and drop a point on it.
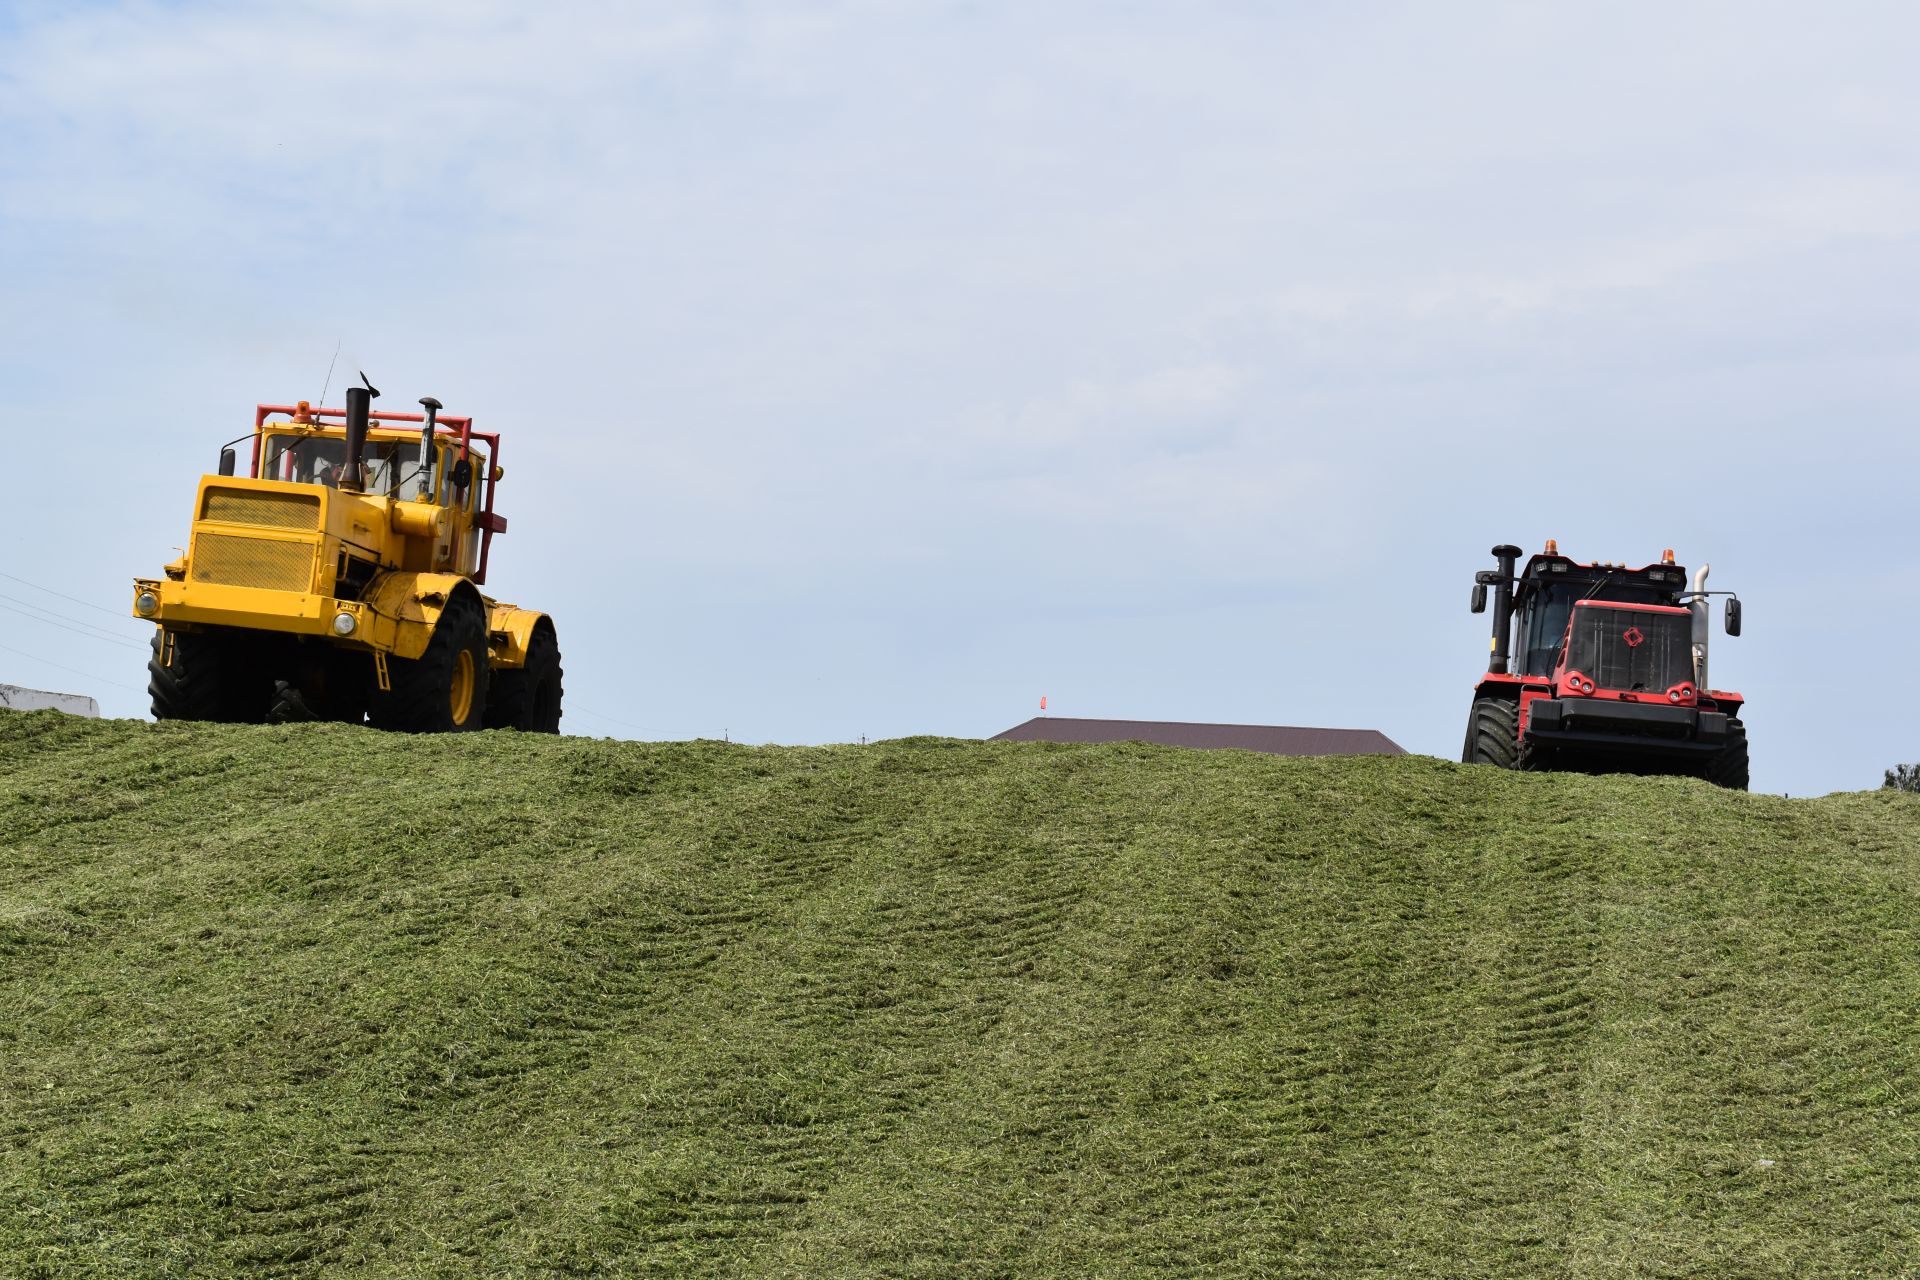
(1043, 702)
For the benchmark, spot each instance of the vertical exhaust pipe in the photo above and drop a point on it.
(1507, 555)
(358, 404)
(1702, 626)
(432, 408)
(353, 476)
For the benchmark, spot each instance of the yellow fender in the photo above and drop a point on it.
(406, 606)
(509, 631)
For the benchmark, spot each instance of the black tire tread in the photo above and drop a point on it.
(515, 699)
(1493, 733)
(289, 707)
(417, 702)
(1728, 768)
(1535, 758)
(206, 679)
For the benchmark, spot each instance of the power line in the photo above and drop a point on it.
(595, 715)
(70, 670)
(84, 635)
(112, 613)
(50, 611)
(90, 631)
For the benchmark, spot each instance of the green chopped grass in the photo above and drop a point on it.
(311, 1000)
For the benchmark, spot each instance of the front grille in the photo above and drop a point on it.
(252, 562)
(267, 510)
(1599, 648)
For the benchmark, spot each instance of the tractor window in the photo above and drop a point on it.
(1546, 625)
(1547, 605)
(466, 498)
(303, 459)
(393, 467)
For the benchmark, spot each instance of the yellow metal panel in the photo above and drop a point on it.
(216, 605)
(510, 631)
(418, 519)
(268, 510)
(265, 563)
(406, 607)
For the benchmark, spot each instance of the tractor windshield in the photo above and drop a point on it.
(393, 466)
(303, 459)
(1546, 607)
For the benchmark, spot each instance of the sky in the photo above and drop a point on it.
(876, 369)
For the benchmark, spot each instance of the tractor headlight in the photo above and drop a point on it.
(146, 604)
(344, 623)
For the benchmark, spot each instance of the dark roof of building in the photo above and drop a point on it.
(1279, 740)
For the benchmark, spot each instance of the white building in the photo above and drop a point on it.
(74, 704)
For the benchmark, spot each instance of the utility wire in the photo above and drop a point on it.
(89, 635)
(94, 627)
(74, 599)
(70, 670)
(79, 622)
(595, 715)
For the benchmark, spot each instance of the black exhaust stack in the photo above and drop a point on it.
(353, 476)
(1502, 585)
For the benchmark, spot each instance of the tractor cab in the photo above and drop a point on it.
(410, 463)
(1551, 586)
(1602, 662)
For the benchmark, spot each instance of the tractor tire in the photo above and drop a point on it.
(528, 698)
(1493, 733)
(1728, 767)
(444, 690)
(206, 676)
(1535, 758)
(289, 705)
(323, 683)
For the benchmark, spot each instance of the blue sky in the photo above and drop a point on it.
(872, 369)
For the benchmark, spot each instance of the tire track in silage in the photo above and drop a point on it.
(289, 1213)
(776, 865)
(1518, 1073)
(670, 906)
(982, 909)
(1310, 973)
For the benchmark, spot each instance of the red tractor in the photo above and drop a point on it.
(1605, 672)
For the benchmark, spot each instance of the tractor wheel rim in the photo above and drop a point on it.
(460, 692)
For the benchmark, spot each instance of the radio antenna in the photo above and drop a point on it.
(329, 382)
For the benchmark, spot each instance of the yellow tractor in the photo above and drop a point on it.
(340, 580)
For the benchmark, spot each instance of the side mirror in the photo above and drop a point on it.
(226, 462)
(1733, 615)
(462, 474)
(1479, 604)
